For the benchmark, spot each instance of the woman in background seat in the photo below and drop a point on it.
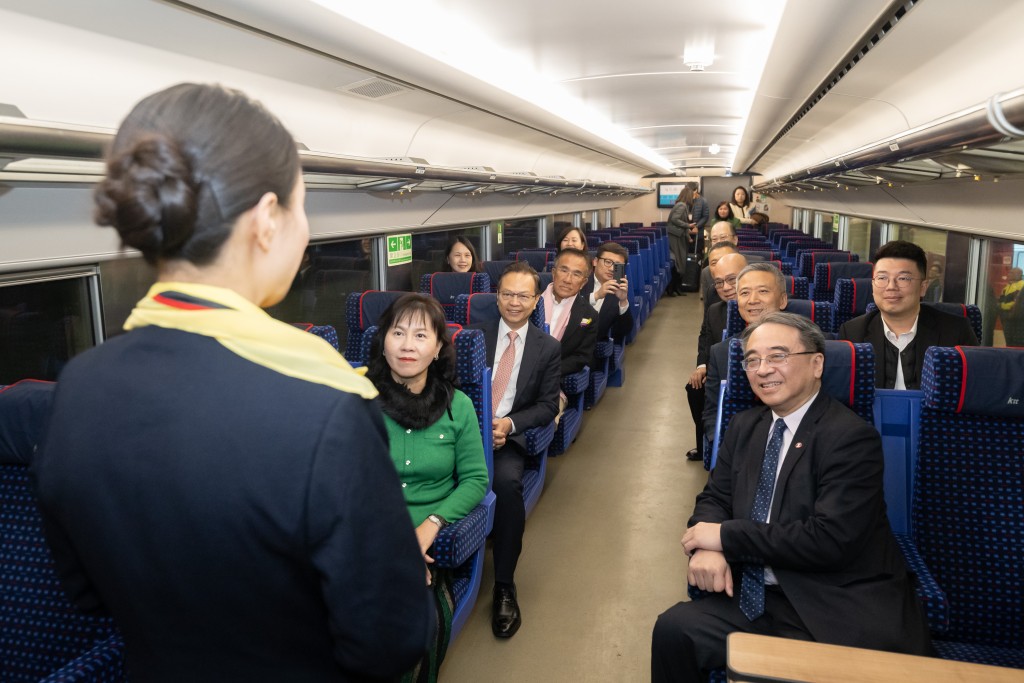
(216, 480)
(435, 438)
(461, 257)
(572, 238)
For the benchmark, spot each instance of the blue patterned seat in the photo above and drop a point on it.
(603, 352)
(540, 259)
(446, 286)
(764, 254)
(43, 636)
(472, 309)
(851, 299)
(573, 386)
(968, 516)
(784, 268)
(826, 274)
(796, 287)
(808, 260)
(494, 269)
(969, 311)
(362, 310)
(325, 332)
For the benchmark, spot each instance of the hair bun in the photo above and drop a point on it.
(150, 197)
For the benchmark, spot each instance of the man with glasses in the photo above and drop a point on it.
(790, 534)
(901, 329)
(604, 288)
(524, 394)
(760, 290)
(724, 273)
(722, 240)
(570, 318)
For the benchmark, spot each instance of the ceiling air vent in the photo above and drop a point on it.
(373, 89)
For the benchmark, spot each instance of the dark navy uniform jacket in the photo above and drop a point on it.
(237, 523)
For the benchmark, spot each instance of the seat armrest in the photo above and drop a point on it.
(576, 383)
(539, 438)
(933, 599)
(458, 541)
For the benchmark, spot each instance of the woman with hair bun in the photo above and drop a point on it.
(435, 439)
(216, 481)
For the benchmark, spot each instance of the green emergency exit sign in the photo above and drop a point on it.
(399, 249)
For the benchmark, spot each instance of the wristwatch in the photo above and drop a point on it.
(440, 521)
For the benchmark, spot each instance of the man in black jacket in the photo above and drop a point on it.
(790, 535)
(525, 364)
(901, 330)
(604, 288)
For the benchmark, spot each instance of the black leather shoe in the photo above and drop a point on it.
(505, 617)
(693, 454)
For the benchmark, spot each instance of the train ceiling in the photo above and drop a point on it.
(805, 94)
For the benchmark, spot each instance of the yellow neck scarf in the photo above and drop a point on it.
(246, 330)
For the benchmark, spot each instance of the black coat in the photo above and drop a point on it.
(238, 524)
(934, 328)
(609, 320)
(828, 539)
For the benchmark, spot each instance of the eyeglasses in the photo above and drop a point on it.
(608, 262)
(901, 280)
(772, 360)
(574, 274)
(731, 281)
(516, 296)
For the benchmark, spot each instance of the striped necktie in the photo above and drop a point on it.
(752, 581)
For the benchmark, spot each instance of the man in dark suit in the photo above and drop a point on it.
(790, 535)
(725, 272)
(901, 330)
(760, 290)
(570, 318)
(615, 318)
(525, 365)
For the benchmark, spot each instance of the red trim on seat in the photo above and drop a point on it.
(458, 329)
(853, 304)
(361, 325)
(305, 327)
(432, 284)
(828, 279)
(792, 284)
(964, 306)
(963, 378)
(812, 312)
(22, 381)
(173, 303)
(853, 368)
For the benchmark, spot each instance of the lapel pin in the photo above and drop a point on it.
(800, 444)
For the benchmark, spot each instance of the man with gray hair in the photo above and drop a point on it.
(760, 290)
(790, 535)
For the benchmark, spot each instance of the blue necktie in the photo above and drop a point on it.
(752, 581)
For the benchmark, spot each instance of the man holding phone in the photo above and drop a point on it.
(610, 279)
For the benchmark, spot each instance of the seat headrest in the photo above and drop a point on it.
(471, 355)
(446, 286)
(975, 380)
(372, 305)
(24, 413)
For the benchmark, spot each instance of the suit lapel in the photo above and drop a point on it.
(490, 340)
(803, 442)
(531, 348)
(876, 337)
(927, 335)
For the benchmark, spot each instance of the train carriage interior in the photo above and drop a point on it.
(848, 124)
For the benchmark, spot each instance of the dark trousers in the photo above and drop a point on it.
(689, 639)
(695, 397)
(509, 510)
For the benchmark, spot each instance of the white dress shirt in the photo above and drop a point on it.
(901, 342)
(505, 406)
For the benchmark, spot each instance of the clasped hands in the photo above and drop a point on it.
(500, 428)
(708, 570)
(620, 288)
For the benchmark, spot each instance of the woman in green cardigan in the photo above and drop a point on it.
(433, 434)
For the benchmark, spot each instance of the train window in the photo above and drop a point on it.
(947, 268)
(123, 282)
(1001, 329)
(45, 320)
(328, 273)
(520, 235)
(428, 256)
(863, 237)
